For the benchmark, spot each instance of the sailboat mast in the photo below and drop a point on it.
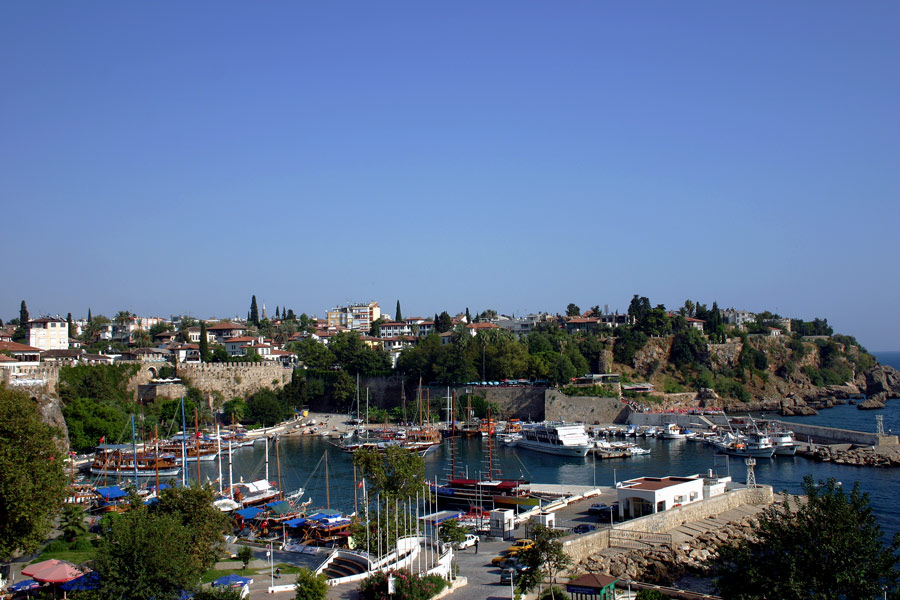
(197, 442)
(134, 451)
(278, 464)
(230, 477)
(156, 455)
(183, 446)
(327, 486)
(267, 458)
(219, 455)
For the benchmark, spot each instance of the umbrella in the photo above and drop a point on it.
(232, 581)
(30, 570)
(27, 584)
(88, 581)
(60, 573)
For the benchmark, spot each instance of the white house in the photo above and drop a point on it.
(648, 495)
(394, 329)
(48, 334)
(237, 346)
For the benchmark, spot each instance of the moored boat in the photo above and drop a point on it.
(556, 438)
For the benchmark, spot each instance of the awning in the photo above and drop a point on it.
(296, 522)
(112, 492)
(88, 581)
(248, 513)
(279, 508)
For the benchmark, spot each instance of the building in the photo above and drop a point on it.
(48, 333)
(21, 352)
(237, 346)
(524, 325)
(474, 328)
(697, 324)
(356, 317)
(394, 329)
(649, 495)
(224, 330)
(592, 586)
(732, 316)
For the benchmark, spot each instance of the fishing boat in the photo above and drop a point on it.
(752, 444)
(556, 438)
(491, 494)
(671, 431)
(783, 440)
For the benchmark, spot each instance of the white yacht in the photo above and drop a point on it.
(556, 438)
(671, 431)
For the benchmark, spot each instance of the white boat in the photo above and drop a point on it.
(509, 439)
(784, 442)
(637, 450)
(752, 444)
(556, 438)
(671, 431)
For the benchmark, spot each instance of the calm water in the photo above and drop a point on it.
(303, 464)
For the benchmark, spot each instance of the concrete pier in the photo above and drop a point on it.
(832, 435)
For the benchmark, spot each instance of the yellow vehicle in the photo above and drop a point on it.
(499, 559)
(519, 546)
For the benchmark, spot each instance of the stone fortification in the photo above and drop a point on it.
(32, 379)
(589, 409)
(234, 379)
(525, 403)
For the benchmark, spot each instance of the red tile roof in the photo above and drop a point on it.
(237, 340)
(17, 347)
(225, 325)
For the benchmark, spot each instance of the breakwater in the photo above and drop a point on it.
(821, 434)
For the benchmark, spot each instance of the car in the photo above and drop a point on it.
(466, 543)
(499, 559)
(519, 546)
(599, 507)
(508, 576)
(583, 528)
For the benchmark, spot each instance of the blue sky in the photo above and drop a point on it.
(177, 158)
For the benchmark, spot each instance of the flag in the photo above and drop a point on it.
(359, 485)
(102, 439)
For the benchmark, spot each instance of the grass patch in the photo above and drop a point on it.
(214, 574)
(73, 556)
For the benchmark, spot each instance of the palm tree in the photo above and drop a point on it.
(141, 338)
(72, 524)
(122, 317)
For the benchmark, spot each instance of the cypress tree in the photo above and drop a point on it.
(254, 312)
(89, 316)
(399, 316)
(468, 316)
(23, 314)
(204, 343)
(276, 312)
(71, 325)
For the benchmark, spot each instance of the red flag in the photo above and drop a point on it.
(359, 485)
(102, 439)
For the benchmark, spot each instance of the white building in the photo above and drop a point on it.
(648, 495)
(732, 316)
(356, 317)
(48, 334)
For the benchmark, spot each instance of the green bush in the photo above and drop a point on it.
(83, 545)
(407, 586)
(602, 391)
(672, 387)
(556, 594)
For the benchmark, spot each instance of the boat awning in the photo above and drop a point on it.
(248, 513)
(279, 508)
(296, 522)
(257, 486)
(323, 516)
(112, 492)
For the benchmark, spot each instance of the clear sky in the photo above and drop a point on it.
(171, 158)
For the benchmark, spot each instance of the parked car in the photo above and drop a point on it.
(599, 507)
(583, 528)
(508, 576)
(469, 541)
(519, 546)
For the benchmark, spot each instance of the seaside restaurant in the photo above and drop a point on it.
(592, 586)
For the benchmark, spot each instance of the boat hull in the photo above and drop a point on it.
(579, 451)
(130, 472)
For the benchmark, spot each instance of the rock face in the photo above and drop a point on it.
(50, 409)
(861, 456)
(798, 411)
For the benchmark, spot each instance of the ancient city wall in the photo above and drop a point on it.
(589, 409)
(234, 379)
(519, 402)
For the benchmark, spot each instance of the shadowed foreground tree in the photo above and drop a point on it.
(32, 478)
(828, 547)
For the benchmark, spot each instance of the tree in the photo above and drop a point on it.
(32, 481)
(72, 524)
(311, 586)
(245, 555)
(443, 323)
(827, 547)
(572, 310)
(19, 334)
(205, 524)
(398, 316)
(546, 557)
(23, 314)
(204, 343)
(452, 532)
(397, 473)
(89, 315)
(145, 555)
(141, 338)
(254, 312)
(71, 326)
(264, 408)
(235, 410)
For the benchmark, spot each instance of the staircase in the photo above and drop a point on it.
(344, 566)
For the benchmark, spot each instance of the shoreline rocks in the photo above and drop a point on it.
(858, 456)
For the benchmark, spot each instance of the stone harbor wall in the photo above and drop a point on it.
(234, 379)
(526, 402)
(589, 409)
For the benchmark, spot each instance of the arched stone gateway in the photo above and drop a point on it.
(153, 372)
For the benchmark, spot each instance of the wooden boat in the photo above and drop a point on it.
(121, 460)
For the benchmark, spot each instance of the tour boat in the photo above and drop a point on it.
(671, 431)
(121, 460)
(556, 438)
